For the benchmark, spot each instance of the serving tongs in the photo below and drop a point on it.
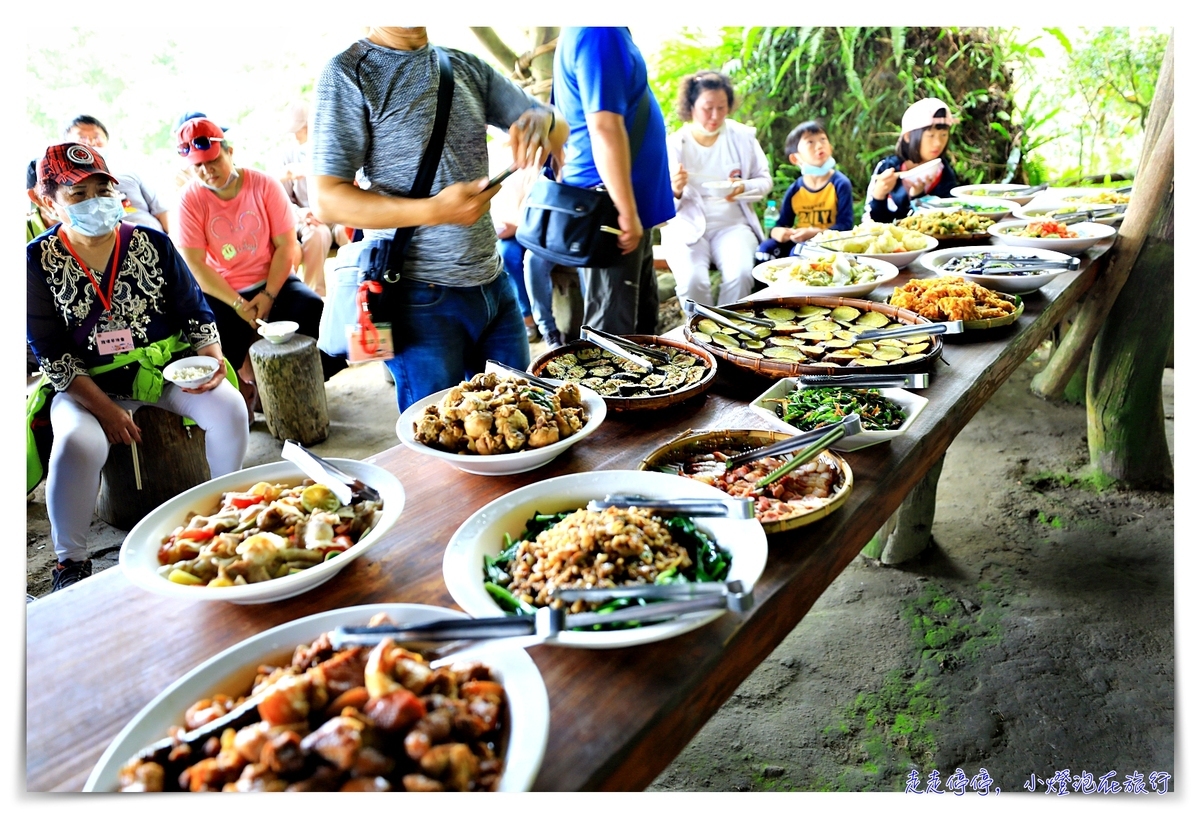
(867, 380)
(493, 365)
(1020, 265)
(726, 318)
(1090, 214)
(347, 488)
(866, 234)
(736, 508)
(627, 350)
(933, 328)
(1025, 191)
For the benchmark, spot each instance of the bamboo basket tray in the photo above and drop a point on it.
(774, 368)
(620, 404)
(690, 441)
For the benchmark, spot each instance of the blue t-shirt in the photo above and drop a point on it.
(600, 69)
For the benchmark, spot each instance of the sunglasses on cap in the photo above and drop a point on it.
(200, 143)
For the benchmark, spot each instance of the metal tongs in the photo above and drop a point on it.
(1090, 214)
(1021, 264)
(1025, 191)
(493, 365)
(726, 317)
(347, 488)
(737, 508)
(526, 630)
(622, 348)
(933, 328)
(876, 231)
(867, 380)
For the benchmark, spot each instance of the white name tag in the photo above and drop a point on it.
(114, 341)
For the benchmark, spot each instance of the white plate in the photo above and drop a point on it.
(1014, 285)
(139, 552)
(494, 464)
(719, 185)
(991, 191)
(1040, 209)
(1089, 234)
(902, 259)
(278, 332)
(169, 372)
(885, 272)
(483, 533)
(233, 669)
(911, 404)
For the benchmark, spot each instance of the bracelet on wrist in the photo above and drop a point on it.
(239, 303)
(268, 295)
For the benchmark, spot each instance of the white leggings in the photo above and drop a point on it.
(81, 447)
(731, 249)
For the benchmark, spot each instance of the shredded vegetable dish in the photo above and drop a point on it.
(353, 720)
(267, 532)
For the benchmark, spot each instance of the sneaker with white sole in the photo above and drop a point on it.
(69, 572)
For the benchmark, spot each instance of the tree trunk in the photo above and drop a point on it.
(171, 460)
(291, 387)
(1126, 428)
(1155, 176)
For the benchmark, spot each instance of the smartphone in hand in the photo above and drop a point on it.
(501, 176)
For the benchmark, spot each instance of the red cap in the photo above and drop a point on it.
(71, 163)
(193, 128)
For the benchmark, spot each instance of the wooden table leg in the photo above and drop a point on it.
(909, 530)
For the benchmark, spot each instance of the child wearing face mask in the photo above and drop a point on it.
(820, 199)
(924, 134)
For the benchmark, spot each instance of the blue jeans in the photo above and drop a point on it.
(541, 292)
(443, 335)
(513, 256)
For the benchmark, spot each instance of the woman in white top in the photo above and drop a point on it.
(717, 168)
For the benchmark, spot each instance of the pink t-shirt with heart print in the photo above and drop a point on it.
(236, 235)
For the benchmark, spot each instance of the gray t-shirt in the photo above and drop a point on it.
(142, 203)
(384, 128)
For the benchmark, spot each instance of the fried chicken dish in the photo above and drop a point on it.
(950, 298)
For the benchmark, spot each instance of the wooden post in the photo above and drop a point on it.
(909, 530)
(171, 459)
(291, 388)
(1155, 177)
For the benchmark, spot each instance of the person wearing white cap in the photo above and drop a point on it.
(315, 236)
(924, 133)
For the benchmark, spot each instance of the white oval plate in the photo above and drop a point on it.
(902, 259)
(886, 271)
(195, 360)
(994, 191)
(233, 669)
(139, 552)
(1014, 285)
(1089, 234)
(912, 405)
(494, 464)
(1045, 209)
(483, 533)
(962, 204)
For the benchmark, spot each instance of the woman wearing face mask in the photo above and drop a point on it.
(238, 235)
(924, 133)
(713, 227)
(109, 304)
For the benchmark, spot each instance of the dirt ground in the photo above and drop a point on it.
(1035, 637)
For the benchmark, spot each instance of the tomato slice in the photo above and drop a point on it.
(195, 534)
(243, 500)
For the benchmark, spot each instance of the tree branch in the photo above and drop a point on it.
(503, 54)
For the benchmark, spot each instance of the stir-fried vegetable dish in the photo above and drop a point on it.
(267, 532)
(824, 405)
(947, 225)
(599, 549)
(495, 414)
(875, 239)
(1106, 197)
(353, 720)
(833, 270)
(1047, 229)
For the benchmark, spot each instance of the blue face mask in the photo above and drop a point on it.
(819, 170)
(96, 217)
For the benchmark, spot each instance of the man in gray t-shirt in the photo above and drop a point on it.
(453, 307)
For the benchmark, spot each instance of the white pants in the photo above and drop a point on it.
(81, 447)
(730, 249)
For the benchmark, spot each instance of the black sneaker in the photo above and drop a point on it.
(554, 339)
(69, 572)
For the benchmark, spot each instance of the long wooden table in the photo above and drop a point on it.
(99, 651)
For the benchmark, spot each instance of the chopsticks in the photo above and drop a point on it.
(850, 424)
(133, 449)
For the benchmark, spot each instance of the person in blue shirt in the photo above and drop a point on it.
(599, 80)
(820, 199)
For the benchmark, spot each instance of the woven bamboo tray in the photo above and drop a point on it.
(620, 404)
(790, 369)
(690, 442)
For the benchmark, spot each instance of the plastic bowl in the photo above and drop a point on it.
(278, 332)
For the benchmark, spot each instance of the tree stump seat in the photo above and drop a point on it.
(291, 388)
(171, 459)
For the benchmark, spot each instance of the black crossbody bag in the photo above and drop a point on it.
(567, 224)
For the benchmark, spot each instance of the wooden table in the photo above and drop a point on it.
(99, 651)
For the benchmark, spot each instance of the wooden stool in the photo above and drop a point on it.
(291, 387)
(171, 459)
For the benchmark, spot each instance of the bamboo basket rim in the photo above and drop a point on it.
(690, 437)
(631, 404)
(774, 368)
